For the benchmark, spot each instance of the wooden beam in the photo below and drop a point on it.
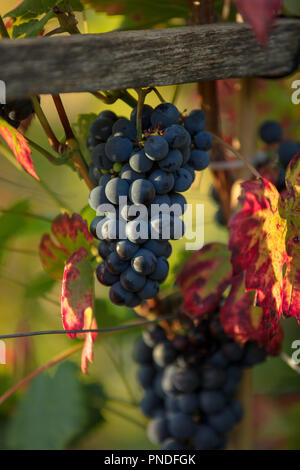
(156, 57)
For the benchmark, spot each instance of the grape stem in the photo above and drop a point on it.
(48, 155)
(239, 155)
(55, 144)
(3, 30)
(161, 99)
(63, 117)
(142, 93)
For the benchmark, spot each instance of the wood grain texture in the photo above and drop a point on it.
(144, 58)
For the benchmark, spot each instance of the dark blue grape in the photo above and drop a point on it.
(237, 410)
(142, 192)
(177, 137)
(172, 444)
(146, 375)
(270, 132)
(156, 147)
(195, 122)
(186, 380)
(146, 116)
(177, 198)
(183, 180)
(150, 403)
(94, 173)
(232, 351)
(164, 354)
(128, 174)
(131, 280)
(218, 359)
(223, 421)
(116, 188)
(205, 438)
(188, 402)
(100, 159)
(171, 403)
(144, 262)
(158, 430)
(253, 354)
(211, 401)
(97, 197)
(120, 296)
(163, 182)
(142, 354)
(105, 248)
(154, 334)
(212, 377)
(199, 159)
(182, 426)
(104, 276)
(101, 128)
(165, 226)
(139, 161)
(172, 162)
(137, 231)
(108, 114)
(149, 290)
(287, 150)
(118, 149)
(126, 249)
(203, 140)
(161, 271)
(115, 264)
(164, 115)
(124, 128)
(94, 224)
(159, 247)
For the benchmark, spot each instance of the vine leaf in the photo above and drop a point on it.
(204, 278)
(69, 233)
(260, 14)
(77, 301)
(242, 320)
(19, 146)
(264, 243)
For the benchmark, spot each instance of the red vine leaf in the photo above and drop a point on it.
(77, 301)
(243, 321)
(260, 14)
(69, 233)
(19, 146)
(204, 278)
(264, 243)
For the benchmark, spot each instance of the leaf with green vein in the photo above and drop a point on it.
(51, 414)
(33, 27)
(19, 146)
(88, 214)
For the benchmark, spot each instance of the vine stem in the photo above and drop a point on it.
(239, 155)
(124, 416)
(120, 371)
(142, 93)
(159, 96)
(22, 383)
(3, 30)
(63, 117)
(55, 144)
(113, 329)
(48, 155)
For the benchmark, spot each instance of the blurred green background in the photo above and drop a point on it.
(63, 408)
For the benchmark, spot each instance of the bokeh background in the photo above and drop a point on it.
(63, 408)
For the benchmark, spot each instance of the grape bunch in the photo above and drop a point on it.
(190, 383)
(16, 111)
(149, 174)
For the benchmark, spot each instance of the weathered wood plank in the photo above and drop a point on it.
(144, 58)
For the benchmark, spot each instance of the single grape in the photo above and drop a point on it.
(183, 180)
(159, 247)
(118, 149)
(223, 421)
(120, 296)
(139, 161)
(124, 128)
(144, 262)
(150, 403)
(156, 148)
(203, 140)
(163, 182)
(104, 276)
(186, 380)
(142, 192)
(115, 264)
(211, 401)
(146, 116)
(149, 290)
(205, 438)
(177, 137)
(105, 248)
(161, 271)
(101, 128)
(116, 188)
(131, 280)
(172, 162)
(97, 197)
(126, 249)
(99, 157)
(199, 159)
(142, 354)
(164, 354)
(158, 430)
(164, 115)
(182, 426)
(195, 122)
(212, 377)
(128, 174)
(287, 150)
(270, 132)
(146, 375)
(153, 334)
(188, 403)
